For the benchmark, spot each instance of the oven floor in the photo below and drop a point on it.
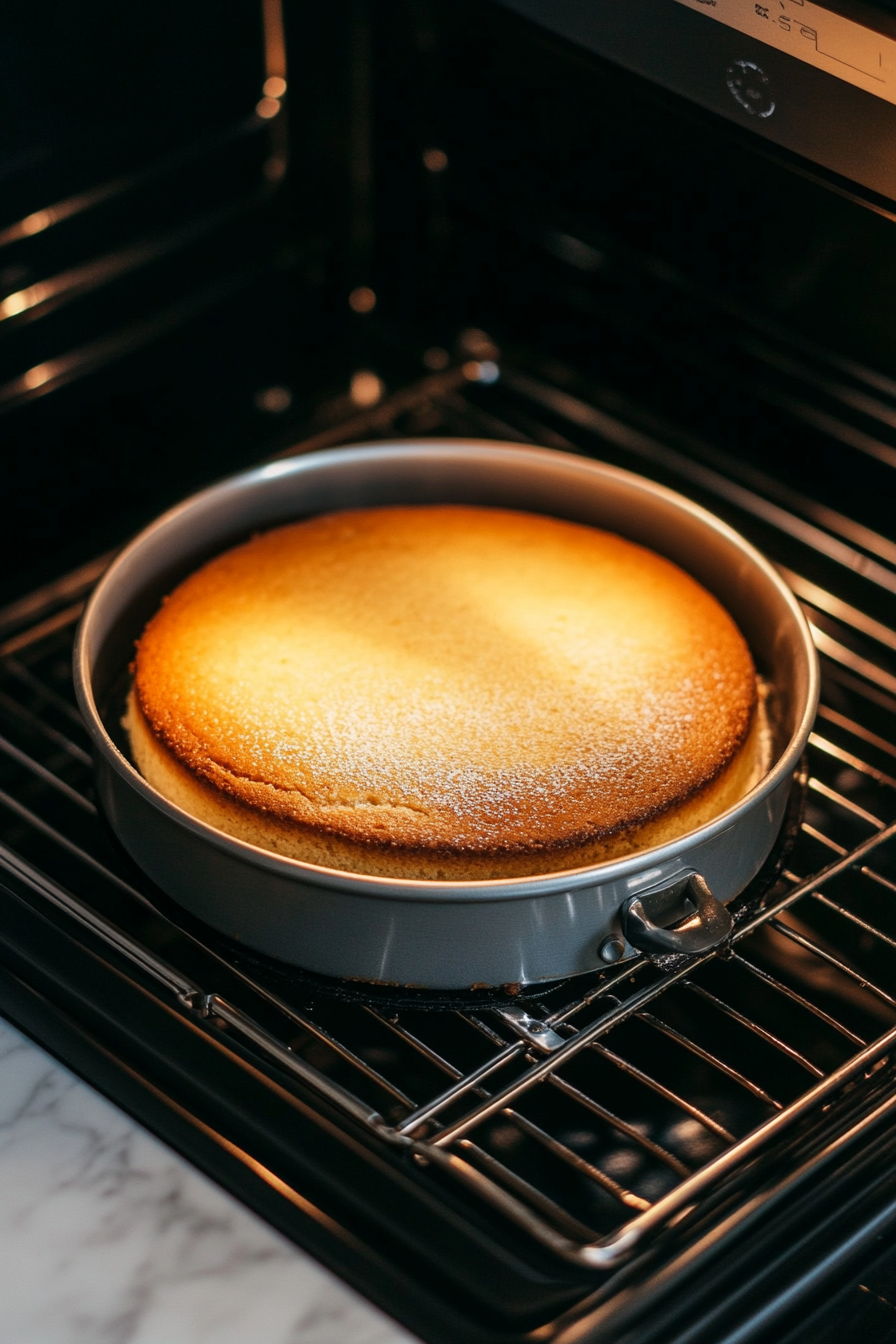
(106, 1233)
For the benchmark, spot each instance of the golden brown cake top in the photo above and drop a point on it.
(447, 677)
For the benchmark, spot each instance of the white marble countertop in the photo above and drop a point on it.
(108, 1237)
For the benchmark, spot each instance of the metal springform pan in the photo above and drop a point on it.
(447, 935)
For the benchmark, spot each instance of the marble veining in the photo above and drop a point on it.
(108, 1237)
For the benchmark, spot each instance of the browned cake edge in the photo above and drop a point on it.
(295, 840)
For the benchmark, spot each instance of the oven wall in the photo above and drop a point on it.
(163, 264)
(211, 279)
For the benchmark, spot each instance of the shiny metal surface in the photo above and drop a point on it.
(436, 934)
(644, 921)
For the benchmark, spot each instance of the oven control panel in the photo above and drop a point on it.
(818, 80)
(832, 42)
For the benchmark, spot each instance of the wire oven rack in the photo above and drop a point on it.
(593, 1112)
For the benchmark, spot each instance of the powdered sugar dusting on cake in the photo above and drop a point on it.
(451, 676)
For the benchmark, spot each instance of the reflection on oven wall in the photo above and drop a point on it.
(139, 155)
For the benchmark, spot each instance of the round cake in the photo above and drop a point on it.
(445, 692)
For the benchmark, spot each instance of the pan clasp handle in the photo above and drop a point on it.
(639, 914)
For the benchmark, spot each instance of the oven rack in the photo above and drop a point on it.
(606, 1108)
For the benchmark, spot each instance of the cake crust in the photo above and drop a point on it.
(445, 691)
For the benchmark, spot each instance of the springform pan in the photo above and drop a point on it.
(447, 935)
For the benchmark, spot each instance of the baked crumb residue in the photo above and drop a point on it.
(451, 679)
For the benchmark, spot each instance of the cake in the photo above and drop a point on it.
(445, 692)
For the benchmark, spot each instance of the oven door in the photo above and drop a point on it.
(816, 80)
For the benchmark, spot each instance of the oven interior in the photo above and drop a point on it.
(445, 220)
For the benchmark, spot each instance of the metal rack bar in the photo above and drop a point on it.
(755, 1028)
(603, 990)
(878, 878)
(466, 1083)
(797, 998)
(432, 1056)
(484, 1029)
(314, 1029)
(31, 608)
(846, 803)
(847, 757)
(856, 398)
(839, 653)
(620, 1125)
(6, 800)
(857, 729)
(667, 1093)
(808, 829)
(841, 966)
(45, 730)
(165, 974)
(46, 776)
(35, 633)
(863, 924)
(523, 1189)
(27, 678)
(848, 615)
(343, 1052)
(815, 834)
(213, 1006)
(579, 1164)
(523, 1123)
(708, 1058)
